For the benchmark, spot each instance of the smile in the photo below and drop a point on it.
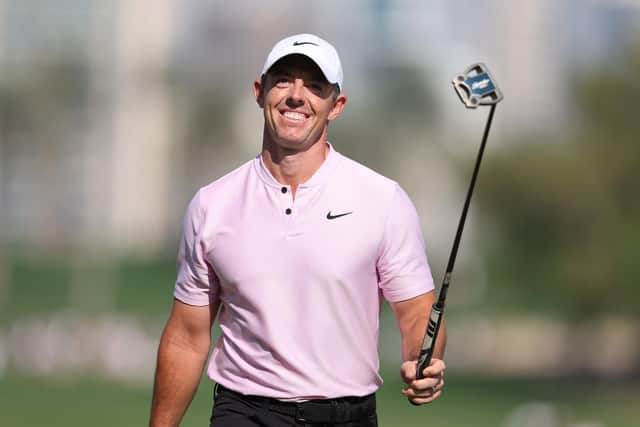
(294, 115)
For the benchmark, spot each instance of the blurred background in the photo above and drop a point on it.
(114, 113)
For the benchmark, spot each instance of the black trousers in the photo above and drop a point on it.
(233, 409)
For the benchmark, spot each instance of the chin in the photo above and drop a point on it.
(292, 142)
(293, 145)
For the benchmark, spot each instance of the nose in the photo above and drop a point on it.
(296, 94)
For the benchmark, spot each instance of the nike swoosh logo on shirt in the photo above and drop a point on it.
(329, 216)
(301, 43)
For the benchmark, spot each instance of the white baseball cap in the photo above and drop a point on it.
(318, 50)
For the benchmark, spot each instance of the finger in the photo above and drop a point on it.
(425, 384)
(422, 395)
(423, 392)
(436, 367)
(408, 371)
(423, 400)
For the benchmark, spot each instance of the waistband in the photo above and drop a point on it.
(339, 410)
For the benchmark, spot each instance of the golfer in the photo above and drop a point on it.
(293, 252)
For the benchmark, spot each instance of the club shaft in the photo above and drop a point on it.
(437, 311)
(463, 217)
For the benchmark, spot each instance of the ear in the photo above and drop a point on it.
(338, 106)
(258, 91)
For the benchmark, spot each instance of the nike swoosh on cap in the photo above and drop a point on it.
(297, 43)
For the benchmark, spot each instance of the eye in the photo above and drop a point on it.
(282, 82)
(316, 87)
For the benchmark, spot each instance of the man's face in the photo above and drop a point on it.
(298, 103)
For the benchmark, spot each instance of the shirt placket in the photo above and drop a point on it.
(294, 210)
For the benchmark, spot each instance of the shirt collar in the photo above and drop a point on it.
(319, 177)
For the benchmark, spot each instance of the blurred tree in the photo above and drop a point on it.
(568, 209)
(399, 104)
(43, 124)
(44, 111)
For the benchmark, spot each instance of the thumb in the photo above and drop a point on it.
(435, 368)
(408, 371)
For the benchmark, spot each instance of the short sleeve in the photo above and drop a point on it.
(402, 265)
(196, 282)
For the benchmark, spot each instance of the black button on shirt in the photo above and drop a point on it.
(284, 190)
(288, 211)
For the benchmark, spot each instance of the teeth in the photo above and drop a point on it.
(294, 115)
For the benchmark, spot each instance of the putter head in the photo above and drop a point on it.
(475, 87)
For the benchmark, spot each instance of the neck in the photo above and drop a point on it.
(293, 167)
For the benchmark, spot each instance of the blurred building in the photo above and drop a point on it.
(91, 168)
(91, 136)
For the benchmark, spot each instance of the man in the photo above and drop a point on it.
(296, 246)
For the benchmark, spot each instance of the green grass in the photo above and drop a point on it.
(467, 402)
(143, 289)
(38, 286)
(33, 402)
(488, 401)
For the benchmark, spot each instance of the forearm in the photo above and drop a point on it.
(413, 336)
(178, 373)
(412, 316)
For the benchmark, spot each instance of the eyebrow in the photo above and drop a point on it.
(304, 74)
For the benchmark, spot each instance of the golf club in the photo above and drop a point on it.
(475, 87)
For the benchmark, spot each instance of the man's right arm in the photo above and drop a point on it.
(182, 353)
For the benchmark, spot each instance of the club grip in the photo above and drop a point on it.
(429, 341)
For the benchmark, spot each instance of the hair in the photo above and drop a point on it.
(335, 91)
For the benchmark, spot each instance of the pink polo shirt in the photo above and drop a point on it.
(301, 280)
